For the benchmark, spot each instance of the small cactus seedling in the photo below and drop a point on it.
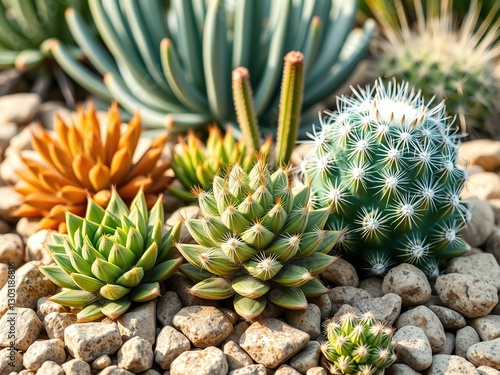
(385, 164)
(357, 345)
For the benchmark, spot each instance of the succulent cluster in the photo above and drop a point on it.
(111, 258)
(385, 164)
(83, 159)
(357, 345)
(454, 62)
(258, 240)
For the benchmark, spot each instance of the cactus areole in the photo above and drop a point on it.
(385, 163)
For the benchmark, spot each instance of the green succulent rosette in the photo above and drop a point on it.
(258, 240)
(112, 257)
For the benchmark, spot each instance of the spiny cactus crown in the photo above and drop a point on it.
(357, 345)
(258, 240)
(112, 257)
(385, 164)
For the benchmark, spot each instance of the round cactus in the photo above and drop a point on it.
(385, 164)
(112, 257)
(259, 241)
(357, 345)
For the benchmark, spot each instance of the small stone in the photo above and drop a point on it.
(101, 362)
(88, 341)
(237, 332)
(181, 285)
(44, 307)
(11, 248)
(115, 370)
(26, 372)
(443, 364)
(316, 371)
(271, 342)
(19, 108)
(307, 358)
(271, 311)
(449, 346)
(482, 152)
(10, 361)
(286, 370)
(488, 327)
(76, 367)
(47, 112)
(4, 274)
(344, 309)
(492, 245)
(231, 315)
(50, 367)
(413, 347)
(170, 343)
(482, 266)
(250, 370)
(7, 131)
(485, 185)
(372, 285)
(209, 361)
(9, 202)
(139, 322)
(187, 212)
(408, 282)
(235, 356)
(464, 339)
(485, 353)
(385, 309)
(308, 320)
(203, 325)
(55, 323)
(44, 350)
(348, 295)
(486, 370)
(35, 246)
(24, 323)
(136, 355)
(151, 372)
(463, 293)
(30, 285)
(341, 273)
(27, 226)
(401, 369)
(495, 204)
(482, 222)
(168, 306)
(324, 304)
(450, 319)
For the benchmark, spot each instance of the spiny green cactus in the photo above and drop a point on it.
(454, 62)
(258, 240)
(357, 345)
(385, 163)
(113, 257)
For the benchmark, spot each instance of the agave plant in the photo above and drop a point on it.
(386, 164)
(357, 345)
(177, 69)
(113, 257)
(456, 62)
(258, 241)
(80, 160)
(26, 25)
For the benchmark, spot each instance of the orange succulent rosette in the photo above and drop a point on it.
(81, 160)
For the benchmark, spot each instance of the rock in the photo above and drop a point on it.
(115, 370)
(26, 227)
(136, 355)
(464, 339)
(22, 141)
(88, 341)
(480, 266)
(271, 342)
(139, 322)
(344, 309)
(170, 343)
(11, 249)
(486, 353)
(443, 364)
(44, 350)
(482, 152)
(401, 369)
(493, 244)
(449, 346)
(231, 315)
(408, 282)
(449, 318)
(50, 367)
(9, 177)
(30, 285)
(413, 347)
(4, 274)
(76, 367)
(486, 370)
(488, 327)
(482, 222)
(151, 372)
(385, 309)
(324, 304)
(9, 202)
(316, 371)
(286, 370)
(307, 358)
(308, 320)
(35, 247)
(7, 132)
(101, 362)
(372, 285)
(181, 285)
(299, 153)
(209, 361)
(237, 332)
(271, 311)
(469, 296)
(341, 273)
(187, 212)
(19, 108)
(250, 370)
(47, 112)
(484, 186)
(425, 319)
(44, 307)
(348, 295)
(203, 325)
(495, 204)
(10, 361)
(235, 356)
(55, 323)
(24, 324)
(168, 306)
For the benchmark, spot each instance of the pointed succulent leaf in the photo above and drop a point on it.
(250, 287)
(275, 218)
(58, 276)
(313, 288)
(140, 222)
(214, 228)
(196, 230)
(264, 268)
(94, 213)
(75, 298)
(257, 236)
(297, 220)
(237, 250)
(317, 219)
(249, 308)
(110, 220)
(103, 230)
(139, 201)
(79, 264)
(309, 242)
(167, 248)
(114, 309)
(216, 288)
(104, 245)
(316, 262)
(207, 203)
(163, 270)
(64, 262)
(58, 238)
(88, 283)
(285, 247)
(292, 275)
(121, 257)
(106, 271)
(156, 214)
(73, 223)
(301, 197)
(88, 252)
(113, 292)
(135, 242)
(194, 273)
(148, 259)
(329, 241)
(145, 292)
(234, 220)
(116, 205)
(126, 224)
(90, 313)
(215, 261)
(263, 197)
(289, 298)
(192, 253)
(89, 229)
(250, 209)
(279, 182)
(55, 248)
(131, 278)
(155, 234)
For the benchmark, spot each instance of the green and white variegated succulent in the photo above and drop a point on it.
(357, 345)
(111, 258)
(386, 164)
(258, 240)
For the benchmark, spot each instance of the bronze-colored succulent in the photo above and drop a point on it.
(86, 159)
